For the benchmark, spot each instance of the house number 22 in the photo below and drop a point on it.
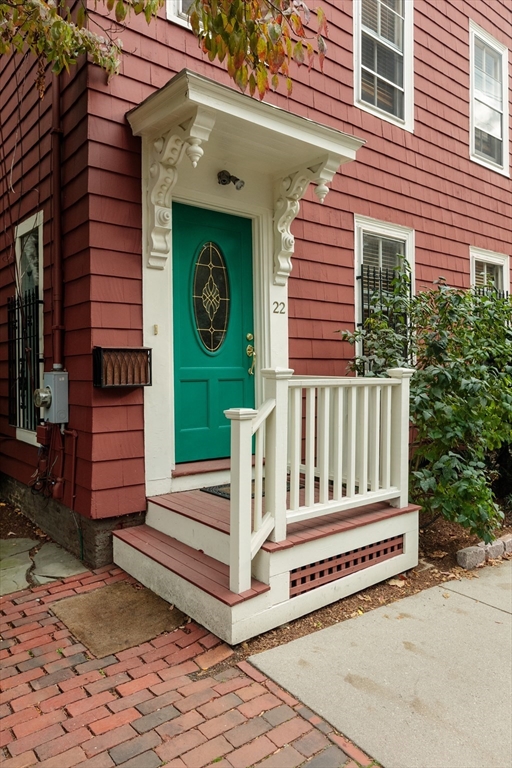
(279, 308)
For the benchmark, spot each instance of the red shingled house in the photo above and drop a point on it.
(175, 261)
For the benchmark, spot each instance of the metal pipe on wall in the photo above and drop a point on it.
(57, 273)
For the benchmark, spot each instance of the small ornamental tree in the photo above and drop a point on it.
(460, 342)
(257, 39)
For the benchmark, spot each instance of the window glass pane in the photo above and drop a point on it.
(488, 146)
(487, 119)
(382, 252)
(389, 65)
(391, 27)
(368, 87)
(370, 14)
(487, 274)
(211, 297)
(29, 260)
(390, 99)
(184, 5)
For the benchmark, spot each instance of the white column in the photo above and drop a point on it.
(276, 457)
(240, 504)
(400, 434)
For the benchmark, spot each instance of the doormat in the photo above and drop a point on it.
(224, 490)
(117, 617)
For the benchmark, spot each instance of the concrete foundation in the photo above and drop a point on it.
(89, 540)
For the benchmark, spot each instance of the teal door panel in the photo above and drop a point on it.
(213, 315)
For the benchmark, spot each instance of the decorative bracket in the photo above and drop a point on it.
(290, 191)
(166, 153)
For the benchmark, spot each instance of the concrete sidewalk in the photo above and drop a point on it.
(423, 683)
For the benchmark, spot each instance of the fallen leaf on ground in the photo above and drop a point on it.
(446, 595)
(438, 555)
(396, 583)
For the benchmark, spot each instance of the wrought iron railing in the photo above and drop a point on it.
(24, 358)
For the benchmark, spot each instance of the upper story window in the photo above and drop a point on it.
(177, 10)
(489, 270)
(383, 59)
(25, 329)
(489, 101)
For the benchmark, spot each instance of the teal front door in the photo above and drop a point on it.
(213, 328)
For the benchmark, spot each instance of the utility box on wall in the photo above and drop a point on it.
(58, 410)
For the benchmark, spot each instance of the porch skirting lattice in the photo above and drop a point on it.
(315, 575)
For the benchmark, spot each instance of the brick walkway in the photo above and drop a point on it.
(147, 706)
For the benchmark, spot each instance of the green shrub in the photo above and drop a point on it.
(460, 343)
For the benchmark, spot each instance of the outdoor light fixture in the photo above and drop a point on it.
(224, 178)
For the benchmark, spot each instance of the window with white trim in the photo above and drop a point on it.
(383, 59)
(178, 10)
(489, 270)
(25, 328)
(380, 247)
(489, 100)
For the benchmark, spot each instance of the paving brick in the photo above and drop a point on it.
(222, 723)
(329, 758)
(206, 753)
(16, 632)
(108, 740)
(41, 645)
(157, 702)
(283, 695)
(40, 661)
(146, 669)
(166, 637)
(88, 666)
(279, 714)
(169, 685)
(67, 759)
(287, 732)
(180, 724)
(220, 705)
(249, 692)
(184, 654)
(189, 638)
(123, 666)
(130, 701)
(311, 743)
(9, 672)
(107, 683)
(351, 750)
(227, 686)
(85, 718)
(25, 760)
(35, 739)
(259, 705)
(196, 700)
(125, 689)
(138, 650)
(38, 723)
(114, 721)
(91, 702)
(250, 730)
(155, 719)
(6, 737)
(251, 753)
(24, 677)
(210, 641)
(62, 744)
(147, 759)
(198, 685)
(56, 677)
(4, 710)
(177, 670)
(72, 649)
(137, 746)
(214, 656)
(180, 744)
(32, 631)
(155, 654)
(62, 663)
(285, 758)
(8, 721)
(248, 669)
(100, 761)
(62, 700)
(14, 693)
(80, 681)
(34, 698)
(22, 621)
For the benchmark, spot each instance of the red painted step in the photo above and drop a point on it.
(194, 566)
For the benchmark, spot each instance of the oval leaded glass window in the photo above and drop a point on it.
(211, 297)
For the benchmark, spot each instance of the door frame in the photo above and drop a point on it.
(271, 333)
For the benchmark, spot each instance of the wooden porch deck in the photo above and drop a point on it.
(213, 511)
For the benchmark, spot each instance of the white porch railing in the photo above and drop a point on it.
(339, 443)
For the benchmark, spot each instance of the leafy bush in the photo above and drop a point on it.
(460, 343)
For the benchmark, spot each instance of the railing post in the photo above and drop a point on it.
(240, 504)
(276, 457)
(400, 434)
